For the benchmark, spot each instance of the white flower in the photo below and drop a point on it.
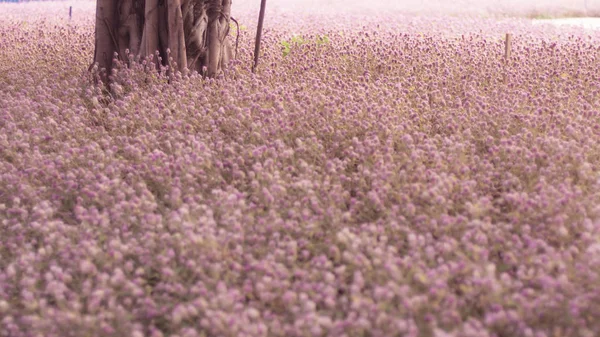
(4, 306)
(253, 313)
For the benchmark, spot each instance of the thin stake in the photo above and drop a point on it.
(507, 46)
(70, 12)
(507, 51)
(261, 19)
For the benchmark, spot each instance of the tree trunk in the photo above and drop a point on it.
(180, 34)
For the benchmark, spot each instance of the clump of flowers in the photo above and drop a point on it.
(396, 180)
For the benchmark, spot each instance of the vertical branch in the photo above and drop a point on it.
(261, 18)
(163, 31)
(196, 36)
(214, 48)
(225, 18)
(104, 45)
(237, 36)
(124, 16)
(176, 35)
(213, 36)
(135, 22)
(150, 33)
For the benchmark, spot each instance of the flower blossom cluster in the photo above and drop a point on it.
(388, 176)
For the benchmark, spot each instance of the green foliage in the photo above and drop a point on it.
(233, 27)
(322, 40)
(297, 40)
(543, 16)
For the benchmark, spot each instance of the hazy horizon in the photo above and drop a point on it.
(526, 8)
(482, 7)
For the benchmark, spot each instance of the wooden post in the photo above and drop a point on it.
(507, 52)
(507, 46)
(261, 18)
(70, 12)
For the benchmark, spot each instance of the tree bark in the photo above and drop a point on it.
(184, 34)
(176, 40)
(149, 43)
(105, 42)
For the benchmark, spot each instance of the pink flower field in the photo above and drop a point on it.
(383, 174)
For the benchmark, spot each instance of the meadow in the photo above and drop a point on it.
(381, 175)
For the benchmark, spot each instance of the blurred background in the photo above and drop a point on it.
(521, 8)
(538, 9)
